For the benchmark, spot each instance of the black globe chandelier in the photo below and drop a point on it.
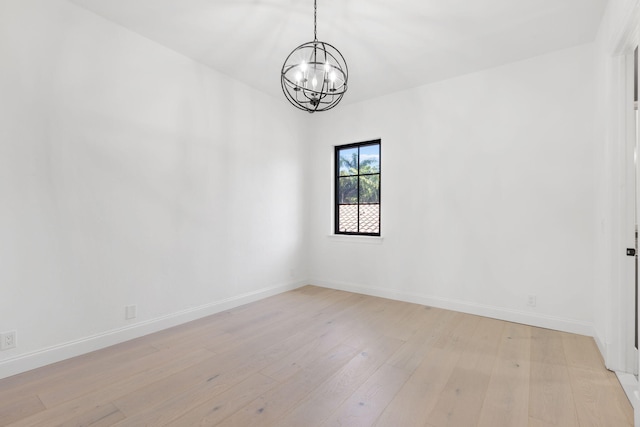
(314, 76)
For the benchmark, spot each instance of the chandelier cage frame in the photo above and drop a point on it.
(314, 75)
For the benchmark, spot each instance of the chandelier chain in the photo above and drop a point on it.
(315, 18)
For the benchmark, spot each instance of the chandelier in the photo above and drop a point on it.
(314, 76)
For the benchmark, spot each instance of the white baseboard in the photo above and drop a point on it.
(629, 384)
(28, 361)
(510, 315)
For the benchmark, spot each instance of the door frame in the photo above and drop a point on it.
(620, 34)
(618, 218)
(631, 199)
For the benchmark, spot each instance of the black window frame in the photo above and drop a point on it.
(336, 203)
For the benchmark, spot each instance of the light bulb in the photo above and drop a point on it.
(327, 67)
(298, 77)
(314, 82)
(303, 66)
(332, 77)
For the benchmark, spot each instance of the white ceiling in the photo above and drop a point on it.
(389, 45)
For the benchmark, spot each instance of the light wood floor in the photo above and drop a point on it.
(320, 357)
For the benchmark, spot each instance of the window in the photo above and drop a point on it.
(357, 189)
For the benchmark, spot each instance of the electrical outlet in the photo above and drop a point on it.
(531, 302)
(130, 312)
(8, 340)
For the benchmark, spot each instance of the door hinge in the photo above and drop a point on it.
(631, 252)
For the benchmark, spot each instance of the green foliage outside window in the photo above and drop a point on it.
(366, 179)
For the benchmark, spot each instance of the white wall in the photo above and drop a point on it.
(130, 174)
(487, 193)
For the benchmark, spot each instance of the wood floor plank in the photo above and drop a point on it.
(414, 402)
(460, 402)
(14, 409)
(547, 347)
(364, 406)
(405, 319)
(74, 386)
(594, 399)
(506, 403)
(86, 363)
(214, 374)
(216, 409)
(372, 316)
(71, 409)
(338, 327)
(412, 353)
(581, 351)
(329, 395)
(200, 407)
(318, 356)
(283, 369)
(60, 374)
(221, 372)
(289, 322)
(458, 333)
(551, 398)
(533, 422)
(98, 416)
(267, 409)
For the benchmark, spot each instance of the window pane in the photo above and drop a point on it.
(370, 189)
(347, 189)
(370, 159)
(369, 218)
(348, 159)
(348, 219)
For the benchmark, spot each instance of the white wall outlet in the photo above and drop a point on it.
(532, 301)
(8, 340)
(131, 311)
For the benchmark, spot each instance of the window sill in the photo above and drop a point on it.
(348, 238)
